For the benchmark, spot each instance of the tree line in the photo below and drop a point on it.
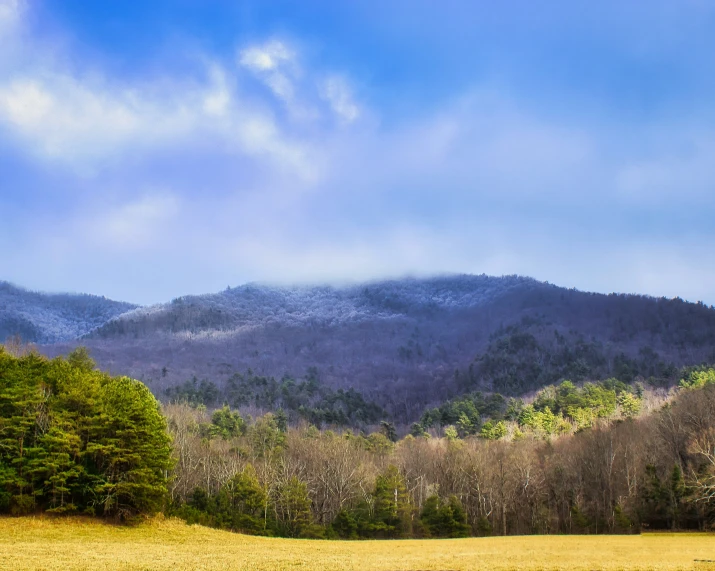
(576, 460)
(305, 398)
(596, 458)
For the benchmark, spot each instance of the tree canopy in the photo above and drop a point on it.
(73, 439)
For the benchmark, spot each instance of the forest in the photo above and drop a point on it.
(593, 457)
(306, 398)
(600, 458)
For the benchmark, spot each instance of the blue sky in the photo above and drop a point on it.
(153, 149)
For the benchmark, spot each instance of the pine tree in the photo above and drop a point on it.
(392, 509)
(131, 451)
(74, 439)
(241, 503)
(444, 519)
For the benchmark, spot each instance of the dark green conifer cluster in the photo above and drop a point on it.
(73, 439)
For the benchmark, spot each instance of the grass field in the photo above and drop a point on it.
(62, 544)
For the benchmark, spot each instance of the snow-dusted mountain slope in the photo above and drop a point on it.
(404, 343)
(50, 318)
(263, 305)
(406, 338)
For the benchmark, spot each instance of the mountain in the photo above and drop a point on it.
(404, 344)
(51, 318)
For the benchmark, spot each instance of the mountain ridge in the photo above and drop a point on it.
(53, 317)
(327, 303)
(406, 343)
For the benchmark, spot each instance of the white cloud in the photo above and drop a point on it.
(659, 267)
(275, 64)
(84, 120)
(141, 225)
(217, 99)
(278, 68)
(281, 86)
(81, 122)
(26, 104)
(402, 249)
(268, 57)
(65, 119)
(137, 224)
(336, 91)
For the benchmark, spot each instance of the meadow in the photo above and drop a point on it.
(43, 543)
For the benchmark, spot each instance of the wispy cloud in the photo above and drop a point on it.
(84, 119)
(275, 64)
(269, 57)
(337, 92)
(78, 121)
(136, 225)
(278, 67)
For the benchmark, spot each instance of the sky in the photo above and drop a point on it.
(160, 148)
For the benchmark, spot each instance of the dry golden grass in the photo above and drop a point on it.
(62, 544)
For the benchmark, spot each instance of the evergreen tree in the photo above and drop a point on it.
(388, 429)
(345, 525)
(444, 519)
(227, 424)
(132, 452)
(392, 509)
(241, 503)
(75, 439)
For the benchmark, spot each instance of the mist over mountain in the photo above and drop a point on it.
(49, 318)
(405, 344)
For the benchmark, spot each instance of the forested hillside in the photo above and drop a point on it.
(344, 353)
(604, 457)
(49, 318)
(404, 344)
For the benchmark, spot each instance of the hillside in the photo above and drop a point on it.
(49, 318)
(407, 343)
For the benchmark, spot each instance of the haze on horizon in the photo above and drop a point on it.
(156, 149)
